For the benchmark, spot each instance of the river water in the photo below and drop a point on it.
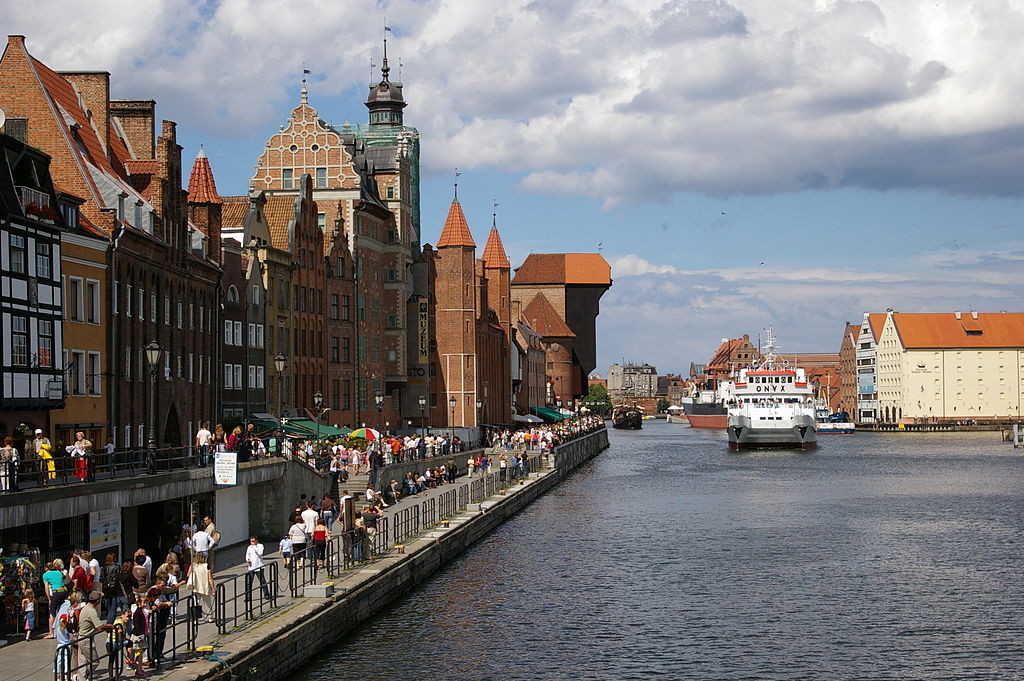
(875, 557)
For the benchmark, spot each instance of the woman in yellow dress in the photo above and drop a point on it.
(44, 454)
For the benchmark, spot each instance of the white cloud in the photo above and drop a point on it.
(617, 100)
(684, 314)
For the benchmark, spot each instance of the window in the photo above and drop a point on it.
(238, 375)
(43, 263)
(255, 294)
(180, 314)
(114, 301)
(191, 316)
(341, 267)
(19, 341)
(95, 373)
(391, 191)
(345, 304)
(190, 367)
(261, 374)
(259, 335)
(128, 363)
(78, 371)
(75, 311)
(181, 372)
(92, 300)
(321, 178)
(142, 305)
(167, 311)
(229, 377)
(334, 306)
(152, 307)
(335, 349)
(229, 338)
(252, 375)
(167, 365)
(45, 350)
(252, 335)
(287, 178)
(238, 332)
(18, 254)
(321, 221)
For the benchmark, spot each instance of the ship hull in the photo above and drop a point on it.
(673, 418)
(801, 434)
(833, 428)
(706, 414)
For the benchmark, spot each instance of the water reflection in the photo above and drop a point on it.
(875, 557)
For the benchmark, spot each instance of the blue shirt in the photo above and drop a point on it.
(54, 578)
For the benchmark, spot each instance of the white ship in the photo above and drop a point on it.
(774, 406)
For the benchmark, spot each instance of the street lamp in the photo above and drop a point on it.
(423, 407)
(318, 401)
(279, 363)
(378, 399)
(479, 417)
(451, 403)
(153, 355)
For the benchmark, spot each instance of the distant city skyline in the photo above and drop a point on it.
(740, 164)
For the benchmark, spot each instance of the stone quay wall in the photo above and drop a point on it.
(278, 646)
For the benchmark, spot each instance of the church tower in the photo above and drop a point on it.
(456, 319)
(385, 101)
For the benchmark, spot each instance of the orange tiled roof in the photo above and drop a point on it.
(233, 213)
(876, 321)
(944, 330)
(201, 186)
(456, 229)
(564, 268)
(494, 251)
(279, 211)
(545, 320)
(142, 166)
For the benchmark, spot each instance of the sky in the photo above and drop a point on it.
(742, 163)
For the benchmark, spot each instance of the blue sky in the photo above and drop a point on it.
(869, 154)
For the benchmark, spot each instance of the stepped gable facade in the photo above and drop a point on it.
(572, 284)
(163, 279)
(365, 182)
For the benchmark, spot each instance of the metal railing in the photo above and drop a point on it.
(91, 658)
(239, 590)
(172, 624)
(65, 470)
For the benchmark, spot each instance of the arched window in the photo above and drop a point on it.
(232, 294)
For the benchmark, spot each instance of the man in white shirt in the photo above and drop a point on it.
(203, 439)
(254, 561)
(309, 518)
(201, 542)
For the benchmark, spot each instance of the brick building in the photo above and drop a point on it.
(848, 370)
(469, 351)
(163, 283)
(365, 182)
(571, 284)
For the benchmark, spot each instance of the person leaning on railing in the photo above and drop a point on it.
(8, 465)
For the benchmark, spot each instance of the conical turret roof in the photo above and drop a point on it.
(456, 229)
(201, 186)
(494, 251)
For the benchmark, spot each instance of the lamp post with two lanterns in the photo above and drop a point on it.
(153, 354)
(423, 407)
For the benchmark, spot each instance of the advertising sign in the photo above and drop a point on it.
(423, 333)
(104, 529)
(225, 468)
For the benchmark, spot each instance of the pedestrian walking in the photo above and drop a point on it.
(254, 561)
(203, 441)
(200, 581)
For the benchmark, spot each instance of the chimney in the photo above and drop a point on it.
(136, 118)
(94, 87)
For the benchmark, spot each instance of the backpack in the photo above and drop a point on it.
(110, 579)
(215, 537)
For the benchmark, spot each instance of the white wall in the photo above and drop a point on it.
(232, 519)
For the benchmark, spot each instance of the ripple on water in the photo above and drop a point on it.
(876, 557)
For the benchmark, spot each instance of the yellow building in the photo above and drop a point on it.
(950, 366)
(88, 373)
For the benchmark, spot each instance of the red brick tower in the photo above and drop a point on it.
(205, 204)
(498, 274)
(456, 314)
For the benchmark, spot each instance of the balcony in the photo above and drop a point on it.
(36, 204)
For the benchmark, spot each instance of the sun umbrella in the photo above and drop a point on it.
(365, 433)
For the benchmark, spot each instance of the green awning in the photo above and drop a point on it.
(287, 428)
(323, 429)
(548, 414)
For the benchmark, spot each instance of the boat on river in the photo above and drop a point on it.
(675, 414)
(833, 424)
(628, 417)
(774, 406)
(709, 406)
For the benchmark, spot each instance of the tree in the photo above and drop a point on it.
(598, 400)
(663, 405)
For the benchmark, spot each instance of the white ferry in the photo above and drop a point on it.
(774, 406)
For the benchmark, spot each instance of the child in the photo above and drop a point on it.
(28, 606)
(286, 549)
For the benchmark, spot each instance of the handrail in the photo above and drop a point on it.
(87, 648)
(251, 608)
